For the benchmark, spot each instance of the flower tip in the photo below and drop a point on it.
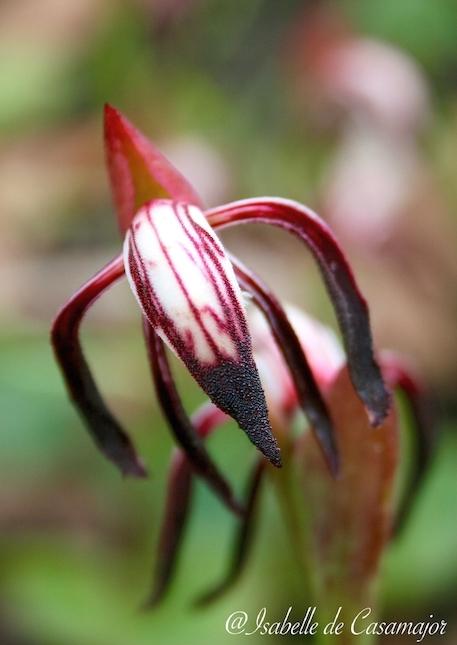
(207, 598)
(237, 507)
(134, 468)
(334, 465)
(152, 602)
(379, 407)
(112, 119)
(254, 422)
(108, 110)
(275, 458)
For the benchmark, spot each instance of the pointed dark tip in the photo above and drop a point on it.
(208, 598)
(257, 427)
(235, 506)
(378, 403)
(334, 465)
(330, 452)
(234, 386)
(150, 604)
(274, 458)
(323, 429)
(118, 448)
(368, 381)
(134, 468)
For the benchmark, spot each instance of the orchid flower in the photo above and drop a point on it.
(349, 520)
(189, 291)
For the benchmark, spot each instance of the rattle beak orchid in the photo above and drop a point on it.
(190, 294)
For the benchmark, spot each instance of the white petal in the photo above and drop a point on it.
(184, 282)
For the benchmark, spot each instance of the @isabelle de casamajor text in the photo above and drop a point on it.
(240, 623)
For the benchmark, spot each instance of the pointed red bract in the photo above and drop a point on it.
(138, 171)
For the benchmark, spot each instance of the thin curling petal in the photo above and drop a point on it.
(177, 507)
(289, 345)
(349, 304)
(401, 377)
(186, 287)
(103, 427)
(243, 538)
(138, 171)
(180, 423)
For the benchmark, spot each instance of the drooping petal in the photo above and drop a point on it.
(179, 422)
(350, 306)
(186, 287)
(138, 171)
(177, 506)
(306, 388)
(243, 537)
(174, 523)
(104, 428)
(402, 377)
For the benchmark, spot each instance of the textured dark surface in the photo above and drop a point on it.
(234, 386)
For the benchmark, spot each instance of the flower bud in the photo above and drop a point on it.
(186, 287)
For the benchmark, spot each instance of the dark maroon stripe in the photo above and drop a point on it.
(232, 295)
(225, 305)
(158, 318)
(195, 311)
(238, 316)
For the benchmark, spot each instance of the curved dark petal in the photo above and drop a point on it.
(400, 377)
(103, 427)
(243, 538)
(308, 392)
(177, 507)
(179, 422)
(350, 306)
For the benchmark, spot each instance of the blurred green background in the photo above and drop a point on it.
(236, 93)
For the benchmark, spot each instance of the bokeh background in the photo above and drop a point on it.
(350, 107)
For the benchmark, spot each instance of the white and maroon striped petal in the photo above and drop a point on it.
(186, 287)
